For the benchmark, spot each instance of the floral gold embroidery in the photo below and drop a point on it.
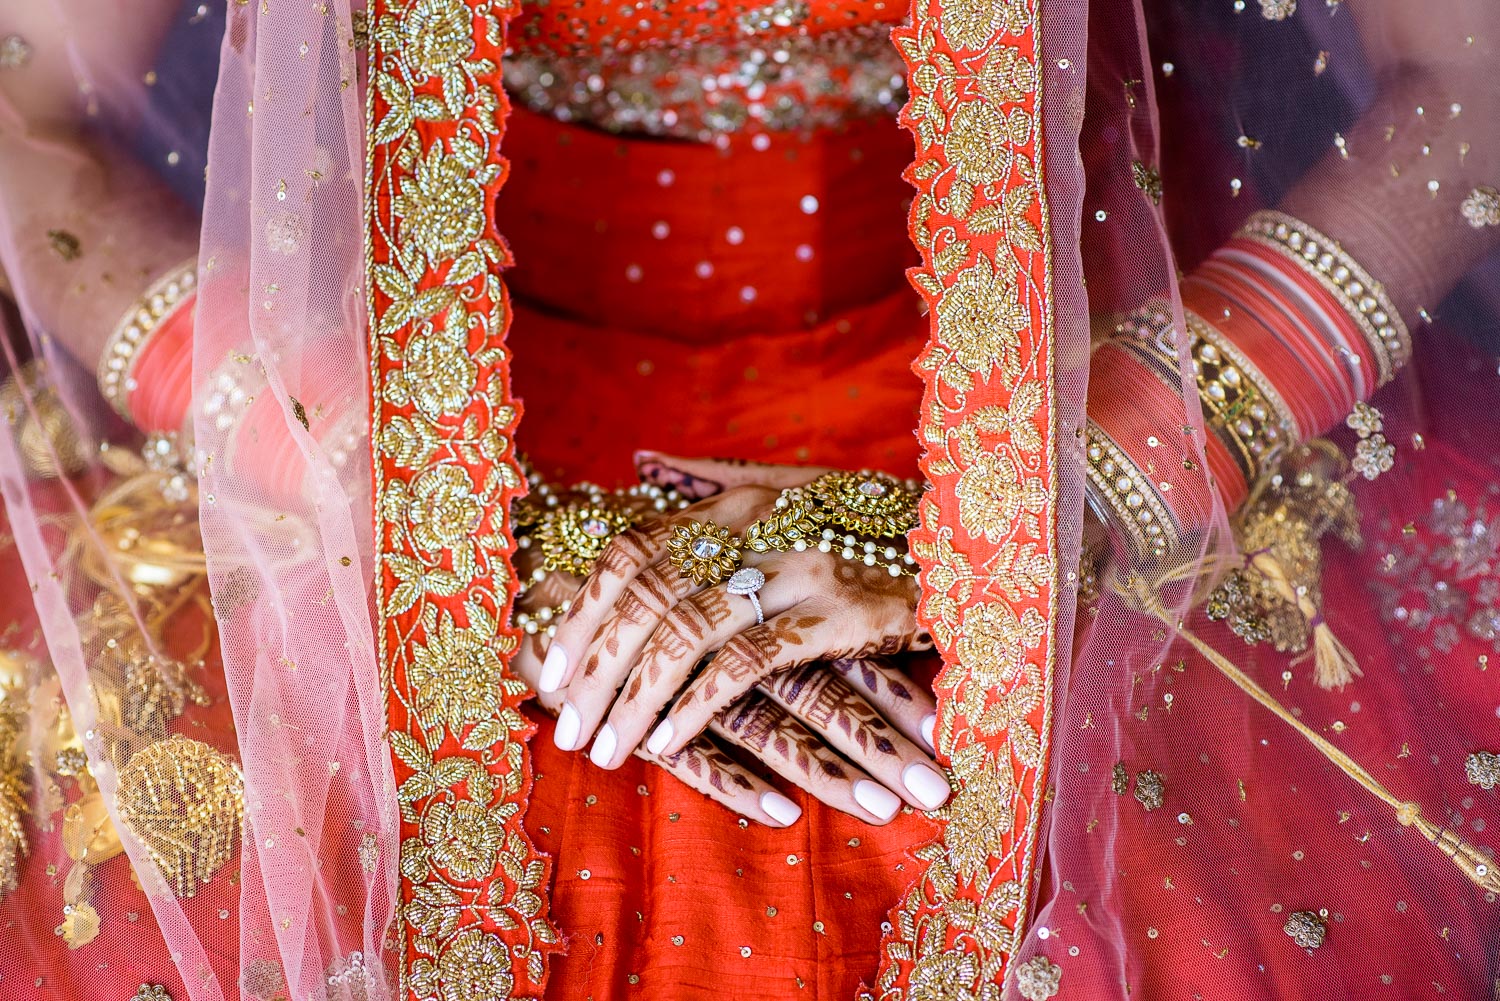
(985, 534)
(1038, 979)
(473, 910)
(1481, 207)
(1306, 928)
(1482, 768)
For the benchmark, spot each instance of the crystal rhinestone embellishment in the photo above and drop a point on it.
(705, 548)
(596, 528)
(873, 488)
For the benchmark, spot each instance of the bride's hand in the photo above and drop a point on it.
(637, 629)
(762, 725)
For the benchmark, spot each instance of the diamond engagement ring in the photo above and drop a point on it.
(747, 581)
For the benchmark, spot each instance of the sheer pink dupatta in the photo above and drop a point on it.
(280, 421)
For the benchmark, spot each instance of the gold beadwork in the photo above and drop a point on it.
(185, 801)
(1150, 790)
(704, 552)
(1123, 496)
(1481, 207)
(1306, 928)
(1482, 768)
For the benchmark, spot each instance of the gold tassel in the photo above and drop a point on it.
(1333, 665)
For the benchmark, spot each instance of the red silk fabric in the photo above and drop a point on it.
(655, 882)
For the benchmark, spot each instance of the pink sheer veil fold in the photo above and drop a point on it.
(103, 128)
(281, 448)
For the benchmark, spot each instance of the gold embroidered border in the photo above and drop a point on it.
(472, 897)
(987, 540)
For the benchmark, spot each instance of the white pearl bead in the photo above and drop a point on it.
(825, 546)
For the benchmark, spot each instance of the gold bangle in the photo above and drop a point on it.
(1123, 495)
(141, 321)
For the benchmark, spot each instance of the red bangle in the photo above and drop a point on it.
(1285, 334)
(167, 302)
(161, 387)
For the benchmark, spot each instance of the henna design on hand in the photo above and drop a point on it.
(825, 700)
(651, 469)
(685, 627)
(706, 762)
(749, 656)
(627, 552)
(871, 678)
(765, 727)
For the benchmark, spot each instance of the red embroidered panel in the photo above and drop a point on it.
(986, 541)
(473, 887)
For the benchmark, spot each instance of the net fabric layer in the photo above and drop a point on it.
(259, 836)
(1198, 843)
(284, 481)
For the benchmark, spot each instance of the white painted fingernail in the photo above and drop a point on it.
(568, 725)
(660, 737)
(926, 784)
(553, 669)
(876, 798)
(603, 751)
(780, 809)
(929, 728)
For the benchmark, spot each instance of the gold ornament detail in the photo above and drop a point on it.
(1150, 790)
(867, 503)
(1306, 928)
(1275, 595)
(1481, 207)
(1038, 979)
(780, 532)
(185, 801)
(704, 552)
(572, 538)
(1482, 768)
(14, 787)
(45, 433)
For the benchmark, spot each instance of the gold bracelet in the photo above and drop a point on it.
(873, 509)
(1127, 494)
(141, 321)
(1362, 297)
(1240, 405)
